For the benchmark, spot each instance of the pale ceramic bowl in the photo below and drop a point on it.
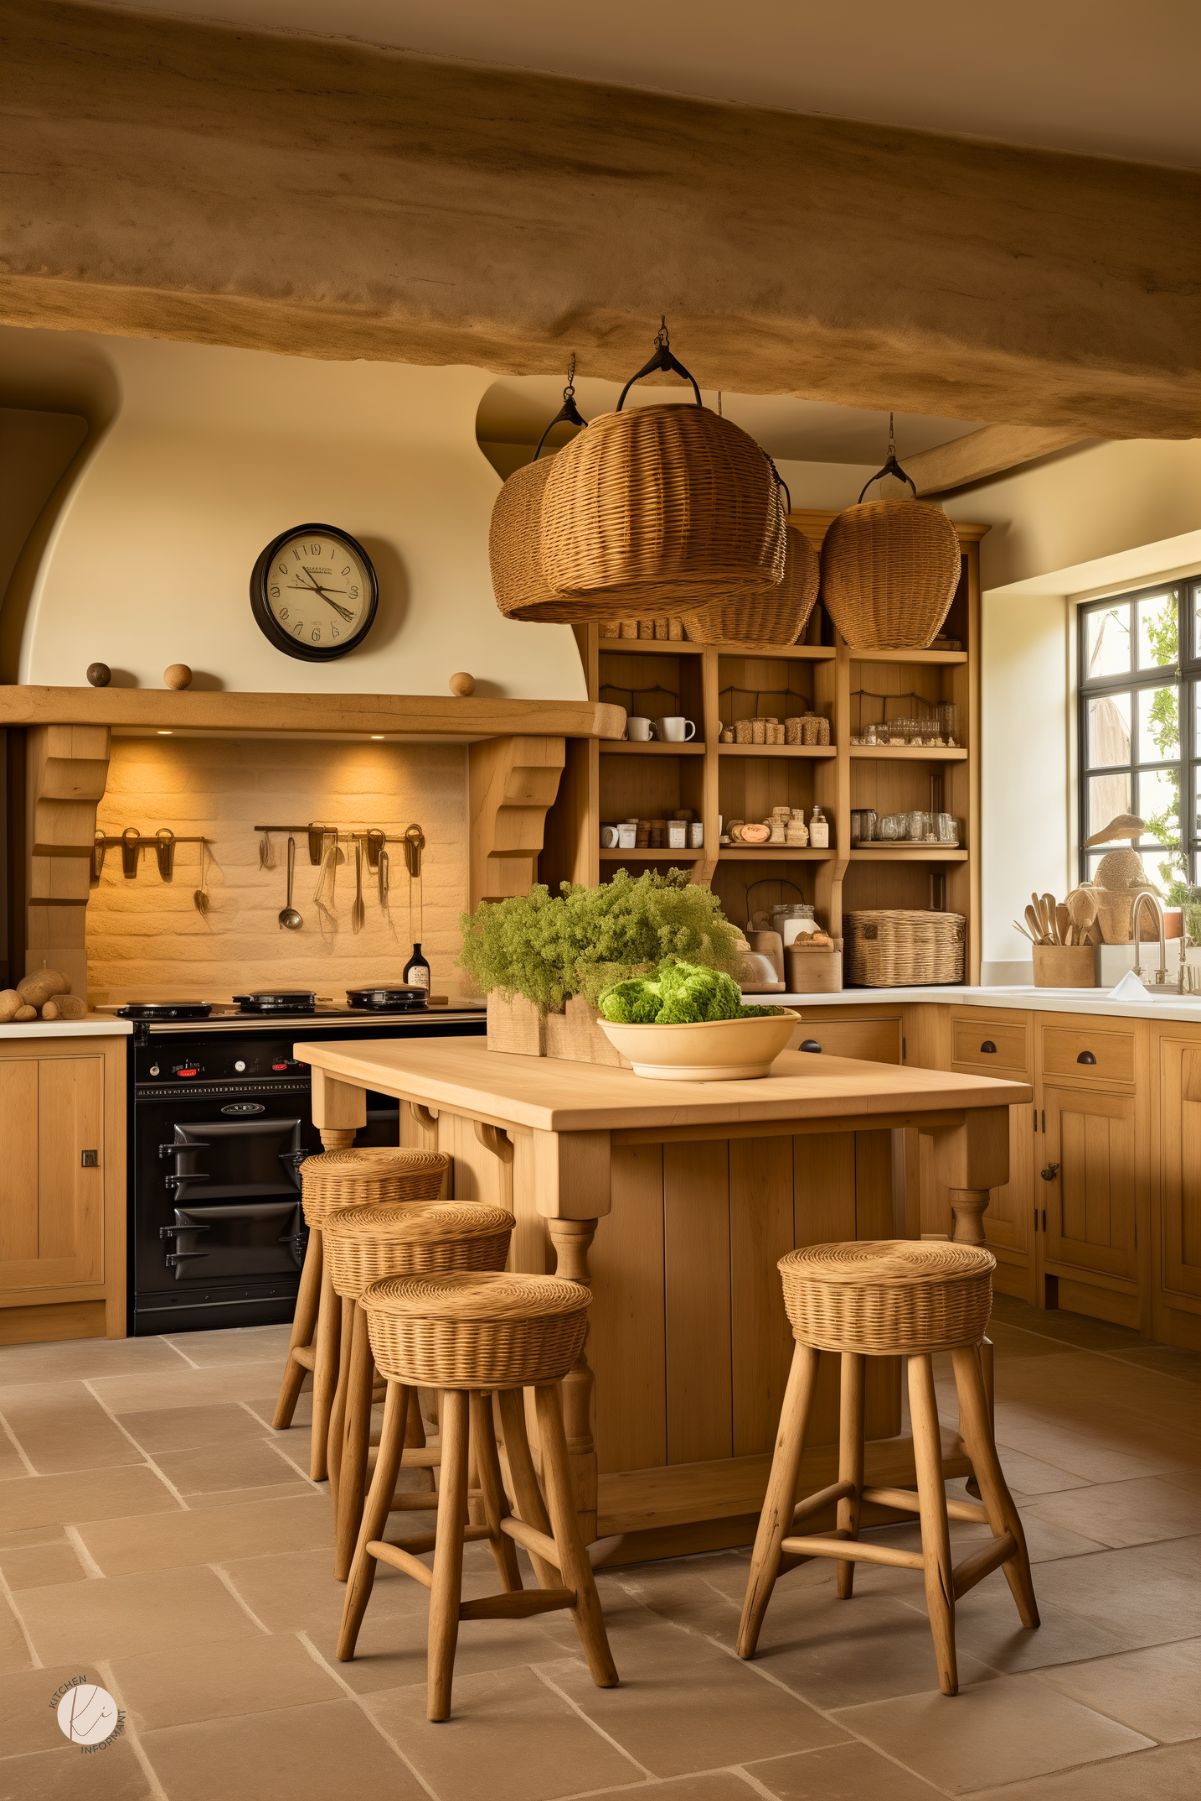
(719, 1050)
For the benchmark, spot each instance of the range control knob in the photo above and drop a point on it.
(184, 1070)
(284, 1064)
(240, 1065)
(155, 1070)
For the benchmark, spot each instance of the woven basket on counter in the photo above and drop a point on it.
(890, 568)
(776, 617)
(896, 947)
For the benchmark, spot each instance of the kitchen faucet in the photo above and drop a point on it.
(1144, 897)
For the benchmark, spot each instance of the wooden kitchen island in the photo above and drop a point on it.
(674, 1201)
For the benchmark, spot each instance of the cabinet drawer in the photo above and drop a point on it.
(985, 1043)
(875, 1040)
(1087, 1053)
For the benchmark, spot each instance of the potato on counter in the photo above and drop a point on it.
(37, 989)
(10, 1003)
(64, 1006)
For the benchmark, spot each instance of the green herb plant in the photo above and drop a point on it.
(677, 994)
(548, 947)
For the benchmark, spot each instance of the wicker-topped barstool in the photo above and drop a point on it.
(340, 1178)
(895, 1298)
(470, 1337)
(362, 1245)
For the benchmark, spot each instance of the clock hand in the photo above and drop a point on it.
(307, 588)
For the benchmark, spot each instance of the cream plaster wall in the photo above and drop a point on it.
(207, 455)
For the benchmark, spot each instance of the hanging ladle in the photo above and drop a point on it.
(289, 918)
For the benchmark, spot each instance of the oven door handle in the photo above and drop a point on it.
(177, 1150)
(173, 1231)
(183, 1181)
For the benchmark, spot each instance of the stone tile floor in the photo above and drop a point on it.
(158, 1538)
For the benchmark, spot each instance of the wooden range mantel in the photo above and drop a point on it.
(468, 718)
(516, 751)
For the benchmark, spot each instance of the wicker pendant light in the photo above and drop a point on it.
(515, 533)
(775, 618)
(890, 568)
(651, 511)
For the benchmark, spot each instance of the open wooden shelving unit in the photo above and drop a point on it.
(712, 684)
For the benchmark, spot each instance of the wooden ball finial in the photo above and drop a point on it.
(462, 683)
(177, 675)
(99, 674)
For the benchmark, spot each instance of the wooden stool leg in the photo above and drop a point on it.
(850, 1460)
(526, 1491)
(976, 1426)
(447, 1586)
(988, 1370)
(415, 1440)
(325, 1372)
(936, 1537)
(375, 1517)
(352, 1474)
(304, 1324)
(780, 1499)
(569, 1543)
(492, 1490)
(337, 1412)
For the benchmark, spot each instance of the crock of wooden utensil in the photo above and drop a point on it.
(1065, 966)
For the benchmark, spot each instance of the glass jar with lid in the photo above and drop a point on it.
(793, 920)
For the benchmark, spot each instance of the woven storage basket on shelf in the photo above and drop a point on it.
(895, 1296)
(776, 617)
(364, 1244)
(650, 511)
(476, 1331)
(896, 947)
(353, 1177)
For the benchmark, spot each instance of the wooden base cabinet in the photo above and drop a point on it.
(1177, 1311)
(62, 1188)
(1090, 1184)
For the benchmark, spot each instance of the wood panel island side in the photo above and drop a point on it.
(697, 1190)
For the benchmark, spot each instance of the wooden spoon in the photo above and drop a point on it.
(1063, 923)
(1082, 911)
(1034, 921)
(1046, 905)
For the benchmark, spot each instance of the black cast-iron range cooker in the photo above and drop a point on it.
(219, 1123)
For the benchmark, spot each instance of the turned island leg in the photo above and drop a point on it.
(972, 1159)
(572, 1189)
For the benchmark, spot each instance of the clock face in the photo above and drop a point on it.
(313, 592)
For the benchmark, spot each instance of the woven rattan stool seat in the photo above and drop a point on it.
(376, 1173)
(364, 1244)
(893, 1297)
(476, 1331)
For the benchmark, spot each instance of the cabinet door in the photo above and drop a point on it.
(1180, 1088)
(51, 1205)
(1091, 1197)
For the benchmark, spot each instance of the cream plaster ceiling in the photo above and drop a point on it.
(1101, 77)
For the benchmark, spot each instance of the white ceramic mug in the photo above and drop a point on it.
(675, 730)
(640, 730)
(608, 837)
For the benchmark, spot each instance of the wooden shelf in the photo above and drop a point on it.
(650, 856)
(652, 748)
(945, 657)
(909, 853)
(901, 753)
(776, 750)
(654, 647)
(771, 853)
(794, 653)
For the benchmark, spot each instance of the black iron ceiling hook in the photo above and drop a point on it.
(891, 466)
(663, 359)
(568, 413)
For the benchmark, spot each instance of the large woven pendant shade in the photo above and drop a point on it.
(515, 531)
(890, 568)
(774, 618)
(649, 512)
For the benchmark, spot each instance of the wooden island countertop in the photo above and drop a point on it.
(701, 1187)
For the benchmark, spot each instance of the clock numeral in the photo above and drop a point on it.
(314, 550)
(346, 570)
(334, 632)
(352, 593)
(298, 628)
(283, 569)
(316, 636)
(275, 590)
(283, 613)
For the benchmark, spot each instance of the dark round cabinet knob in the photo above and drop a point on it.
(1049, 1174)
(810, 1044)
(1086, 1057)
(989, 1047)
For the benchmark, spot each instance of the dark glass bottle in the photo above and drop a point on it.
(417, 970)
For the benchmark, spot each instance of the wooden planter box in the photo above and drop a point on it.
(524, 1029)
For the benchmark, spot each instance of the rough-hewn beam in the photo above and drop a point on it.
(990, 451)
(169, 179)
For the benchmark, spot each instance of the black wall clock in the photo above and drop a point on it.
(313, 592)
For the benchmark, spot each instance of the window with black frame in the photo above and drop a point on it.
(1139, 676)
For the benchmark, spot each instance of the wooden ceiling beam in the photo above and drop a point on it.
(980, 455)
(164, 178)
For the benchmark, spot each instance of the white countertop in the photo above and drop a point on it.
(93, 1025)
(1035, 1000)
